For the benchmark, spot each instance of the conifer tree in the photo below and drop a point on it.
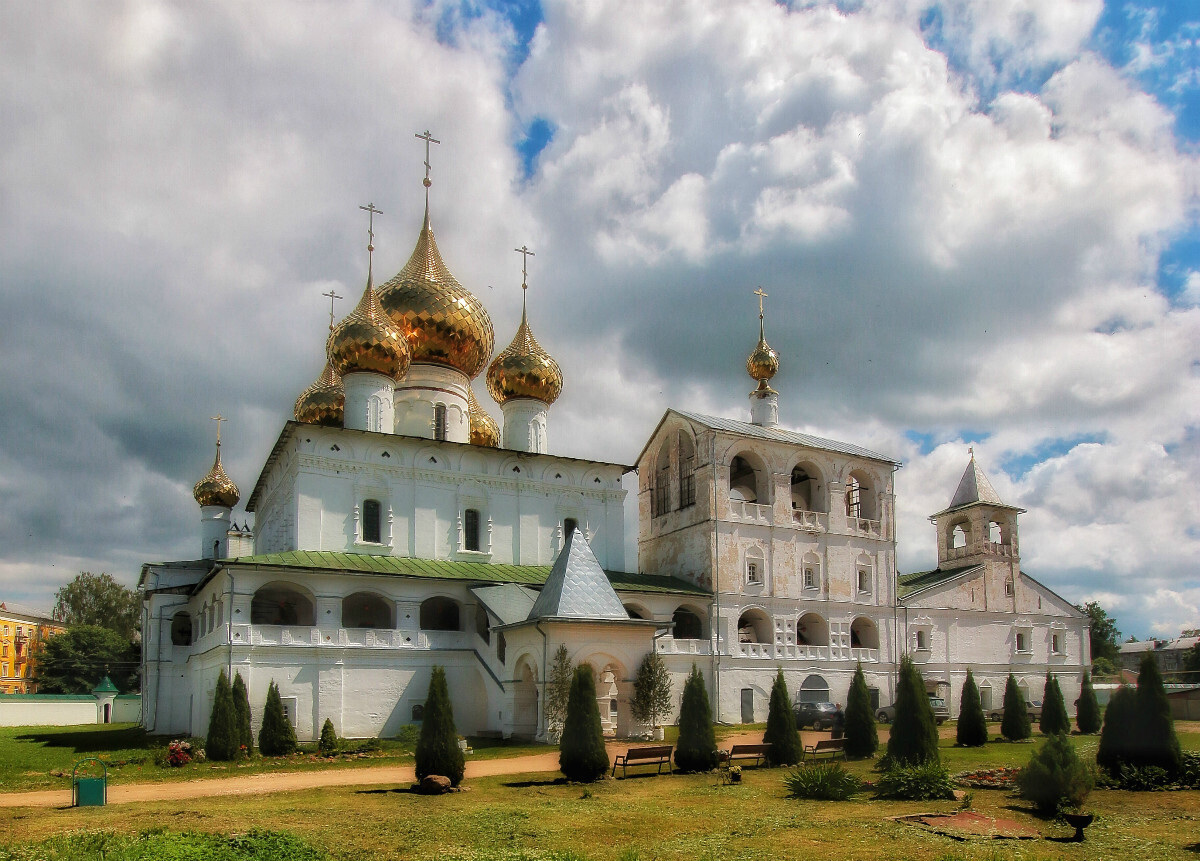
(1054, 711)
(696, 749)
(328, 743)
(1087, 713)
(972, 723)
(582, 755)
(651, 700)
(914, 736)
(781, 732)
(862, 737)
(276, 736)
(558, 691)
(1118, 738)
(241, 710)
(1155, 726)
(1015, 725)
(437, 748)
(221, 744)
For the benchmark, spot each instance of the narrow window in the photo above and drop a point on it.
(1008, 588)
(1022, 646)
(471, 529)
(1055, 646)
(687, 471)
(864, 580)
(854, 498)
(810, 579)
(439, 421)
(922, 641)
(752, 573)
(370, 521)
(501, 647)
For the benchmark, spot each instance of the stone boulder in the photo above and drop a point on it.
(434, 784)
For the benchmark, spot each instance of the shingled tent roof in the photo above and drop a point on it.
(577, 587)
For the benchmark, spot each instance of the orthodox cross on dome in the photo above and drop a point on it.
(525, 255)
(761, 295)
(429, 139)
(332, 296)
(371, 213)
(218, 418)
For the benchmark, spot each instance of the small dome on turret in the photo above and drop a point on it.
(763, 363)
(484, 430)
(217, 488)
(524, 370)
(368, 341)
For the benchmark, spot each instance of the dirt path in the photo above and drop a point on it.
(289, 781)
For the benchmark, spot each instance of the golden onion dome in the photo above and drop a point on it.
(763, 363)
(484, 430)
(524, 370)
(445, 324)
(324, 402)
(367, 340)
(217, 488)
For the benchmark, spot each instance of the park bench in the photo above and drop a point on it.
(744, 751)
(644, 756)
(826, 746)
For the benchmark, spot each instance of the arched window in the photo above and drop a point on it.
(471, 529)
(687, 471)
(995, 532)
(812, 630)
(864, 634)
(366, 610)
(743, 481)
(662, 481)
(439, 614)
(371, 519)
(754, 627)
(281, 604)
(181, 629)
(687, 625)
(959, 535)
(814, 689)
(439, 421)
(807, 492)
(482, 624)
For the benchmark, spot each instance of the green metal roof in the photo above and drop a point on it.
(106, 686)
(906, 584)
(443, 569)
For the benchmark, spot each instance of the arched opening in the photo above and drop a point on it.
(439, 614)
(281, 604)
(985, 696)
(996, 532)
(808, 492)
(864, 634)
(860, 502)
(812, 630)
(525, 701)
(688, 625)
(687, 470)
(371, 521)
(366, 610)
(635, 612)
(662, 480)
(814, 689)
(570, 524)
(960, 535)
(743, 481)
(181, 629)
(754, 627)
(482, 624)
(606, 699)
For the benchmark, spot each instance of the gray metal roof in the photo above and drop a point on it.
(509, 602)
(778, 434)
(974, 487)
(577, 587)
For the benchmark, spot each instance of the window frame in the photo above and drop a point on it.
(371, 525)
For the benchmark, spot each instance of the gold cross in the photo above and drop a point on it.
(971, 451)
(428, 138)
(370, 208)
(761, 295)
(332, 297)
(218, 418)
(525, 255)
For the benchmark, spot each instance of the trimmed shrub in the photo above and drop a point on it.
(927, 781)
(1189, 770)
(1160, 745)
(241, 711)
(329, 740)
(822, 781)
(581, 752)
(1054, 710)
(862, 738)
(1055, 778)
(1120, 726)
(651, 700)
(437, 748)
(276, 736)
(1087, 712)
(781, 732)
(914, 736)
(1016, 725)
(222, 742)
(696, 749)
(972, 723)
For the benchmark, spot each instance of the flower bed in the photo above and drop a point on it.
(989, 778)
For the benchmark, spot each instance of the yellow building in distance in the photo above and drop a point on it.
(22, 630)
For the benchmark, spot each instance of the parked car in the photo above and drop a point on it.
(941, 712)
(1032, 708)
(817, 715)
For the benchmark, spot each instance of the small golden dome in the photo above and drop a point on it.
(367, 340)
(445, 324)
(524, 370)
(484, 430)
(217, 488)
(324, 402)
(763, 363)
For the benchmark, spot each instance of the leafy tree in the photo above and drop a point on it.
(914, 736)
(651, 691)
(222, 742)
(972, 723)
(276, 736)
(241, 710)
(1054, 711)
(98, 599)
(781, 732)
(1087, 711)
(1103, 667)
(1105, 638)
(75, 661)
(558, 690)
(329, 742)
(437, 748)
(696, 749)
(581, 752)
(862, 738)
(1156, 728)
(1016, 724)
(1055, 776)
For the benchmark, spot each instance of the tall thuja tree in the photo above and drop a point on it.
(972, 723)
(1156, 727)
(581, 752)
(1119, 737)
(241, 711)
(696, 749)
(781, 732)
(437, 748)
(1016, 724)
(914, 736)
(1054, 710)
(651, 700)
(276, 736)
(1087, 713)
(862, 738)
(222, 742)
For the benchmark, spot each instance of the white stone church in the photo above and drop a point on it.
(397, 527)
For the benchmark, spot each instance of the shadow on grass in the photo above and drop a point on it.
(1192, 847)
(526, 784)
(92, 740)
(396, 790)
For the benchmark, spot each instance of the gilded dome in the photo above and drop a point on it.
(763, 363)
(367, 340)
(324, 402)
(444, 323)
(217, 488)
(524, 370)
(484, 430)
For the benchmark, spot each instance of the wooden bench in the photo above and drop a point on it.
(830, 746)
(755, 752)
(644, 756)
